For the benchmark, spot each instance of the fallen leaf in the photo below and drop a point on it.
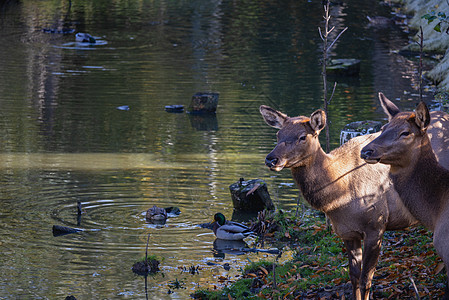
(439, 268)
(264, 270)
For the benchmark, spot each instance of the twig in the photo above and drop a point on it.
(421, 46)
(338, 36)
(333, 91)
(297, 208)
(326, 48)
(415, 288)
(146, 250)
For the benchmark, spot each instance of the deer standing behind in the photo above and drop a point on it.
(358, 198)
(422, 182)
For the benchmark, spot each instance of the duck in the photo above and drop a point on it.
(229, 230)
(84, 38)
(156, 215)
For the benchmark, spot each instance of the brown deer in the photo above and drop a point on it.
(358, 198)
(422, 183)
(438, 129)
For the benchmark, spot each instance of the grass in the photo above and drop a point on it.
(320, 267)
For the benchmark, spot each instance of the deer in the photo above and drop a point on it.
(418, 175)
(357, 197)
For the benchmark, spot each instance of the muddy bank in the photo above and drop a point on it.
(437, 42)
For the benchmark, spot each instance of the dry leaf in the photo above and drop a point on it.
(264, 270)
(439, 268)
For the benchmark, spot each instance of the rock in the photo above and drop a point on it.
(354, 129)
(251, 195)
(145, 267)
(204, 103)
(343, 67)
(174, 108)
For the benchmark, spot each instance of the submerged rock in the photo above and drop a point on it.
(344, 66)
(145, 267)
(177, 108)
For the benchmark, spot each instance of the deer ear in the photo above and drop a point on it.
(390, 109)
(273, 117)
(318, 120)
(422, 116)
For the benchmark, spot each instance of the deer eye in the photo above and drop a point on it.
(405, 133)
(302, 138)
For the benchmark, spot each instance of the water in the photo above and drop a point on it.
(63, 140)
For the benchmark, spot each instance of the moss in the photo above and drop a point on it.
(146, 266)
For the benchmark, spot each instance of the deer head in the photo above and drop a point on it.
(401, 135)
(297, 138)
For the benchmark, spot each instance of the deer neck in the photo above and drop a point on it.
(421, 184)
(318, 180)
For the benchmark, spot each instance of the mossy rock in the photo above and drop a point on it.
(146, 266)
(343, 67)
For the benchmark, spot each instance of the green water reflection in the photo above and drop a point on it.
(63, 140)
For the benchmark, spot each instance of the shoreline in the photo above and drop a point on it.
(434, 42)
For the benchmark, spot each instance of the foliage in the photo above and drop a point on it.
(442, 98)
(440, 16)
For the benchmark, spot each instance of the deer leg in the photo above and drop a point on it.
(371, 252)
(441, 243)
(354, 250)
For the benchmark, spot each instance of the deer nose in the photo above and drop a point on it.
(365, 154)
(271, 161)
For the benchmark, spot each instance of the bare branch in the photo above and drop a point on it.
(420, 67)
(332, 95)
(338, 36)
(319, 30)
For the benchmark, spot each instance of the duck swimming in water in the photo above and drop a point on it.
(156, 215)
(84, 38)
(229, 230)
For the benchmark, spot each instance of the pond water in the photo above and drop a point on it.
(63, 138)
